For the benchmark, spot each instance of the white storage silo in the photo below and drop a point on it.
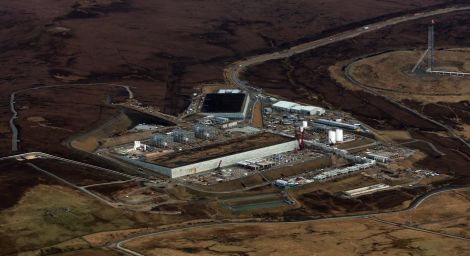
(137, 144)
(304, 124)
(339, 135)
(331, 137)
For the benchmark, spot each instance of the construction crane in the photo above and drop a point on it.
(218, 167)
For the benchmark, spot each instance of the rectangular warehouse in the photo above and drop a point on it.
(209, 157)
(292, 107)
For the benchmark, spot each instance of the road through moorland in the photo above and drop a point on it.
(14, 113)
(232, 72)
(232, 76)
(120, 245)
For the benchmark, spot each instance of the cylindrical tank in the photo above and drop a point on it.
(331, 137)
(304, 124)
(339, 135)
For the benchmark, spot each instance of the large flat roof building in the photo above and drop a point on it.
(284, 105)
(308, 110)
(292, 107)
(196, 160)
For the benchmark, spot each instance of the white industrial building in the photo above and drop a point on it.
(366, 190)
(287, 106)
(178, 171)
(229, 91)
(283, 105)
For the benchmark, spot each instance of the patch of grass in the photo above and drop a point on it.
(48, 215)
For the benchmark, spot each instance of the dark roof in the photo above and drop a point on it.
(223, 103)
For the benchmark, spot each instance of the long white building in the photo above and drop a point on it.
(223, 161)
(292, 107)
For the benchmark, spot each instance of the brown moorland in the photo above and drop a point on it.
(310, 72)
(151, 45)
(360, 236)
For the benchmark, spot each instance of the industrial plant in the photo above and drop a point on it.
(230, 134)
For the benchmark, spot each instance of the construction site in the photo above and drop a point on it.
(237, 139)
(229, 139)
(117, 140)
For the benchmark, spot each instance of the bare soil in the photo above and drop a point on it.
(257, 120)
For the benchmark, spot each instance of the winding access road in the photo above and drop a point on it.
(33, 155)
(14, 116)
(431, 146)
(233, 71)
(120, 245)
(232, 76)
(367, 88)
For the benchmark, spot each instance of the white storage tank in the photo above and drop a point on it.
(304, 124)
(137, 144)
(331, 137)
(339, 135)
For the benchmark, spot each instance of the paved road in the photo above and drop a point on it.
(48, 156)
(434, 148)
(108, 183)
(14, 129)
(84, 190)
(232, 72)
(367, 88)
(400, 225)
(120, 245)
